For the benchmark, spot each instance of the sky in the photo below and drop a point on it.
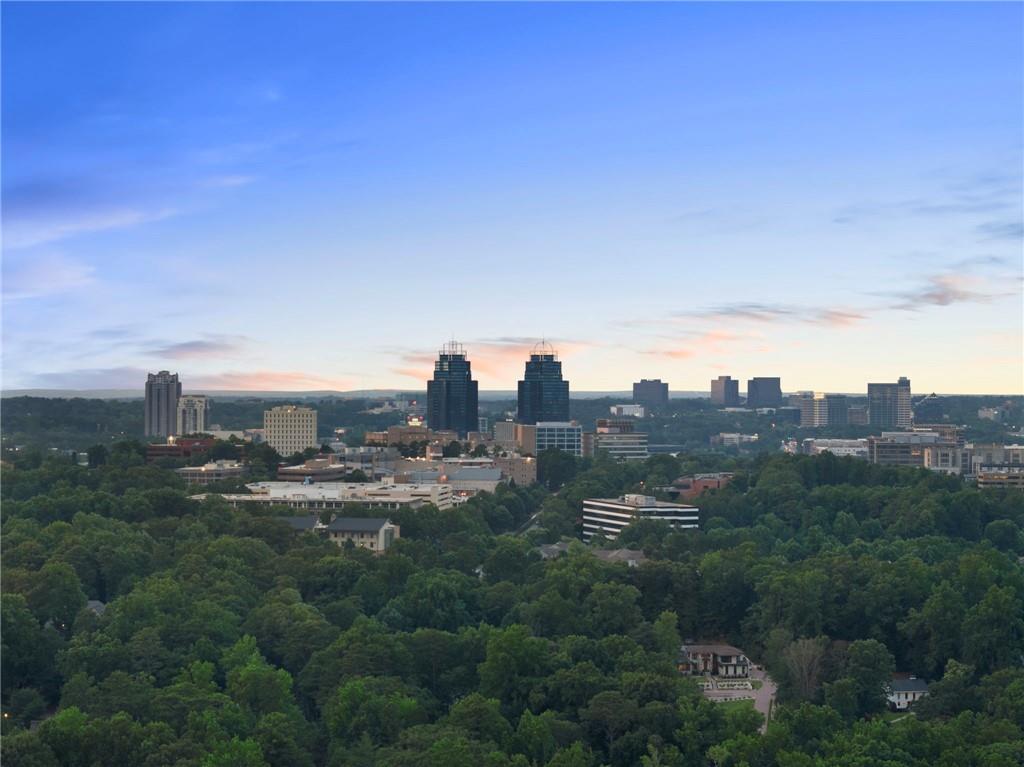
(318, 196)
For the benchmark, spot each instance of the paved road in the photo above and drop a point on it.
(764, 698)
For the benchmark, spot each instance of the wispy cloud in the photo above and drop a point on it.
(774, 313)
(497, 358)
(211, 347)
(267, 380)
(1001, 230)
(134, 378)
(713, 342)
(979, 193)
(26, 232)
(44, 275)
(944, 290)
(228, 181)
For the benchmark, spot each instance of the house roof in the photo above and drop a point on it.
(710, 647)
(357, 524)
(620, 555)
(912, 684)
(548, 550)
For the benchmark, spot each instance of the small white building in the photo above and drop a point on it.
(629, 411)
(903, 692)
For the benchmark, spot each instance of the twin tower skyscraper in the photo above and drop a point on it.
(453, 395)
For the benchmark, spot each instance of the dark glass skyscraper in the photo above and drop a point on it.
(889, 404)
(543, 395)
(452, 394)
(764, 392)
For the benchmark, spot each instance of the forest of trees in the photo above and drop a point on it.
(140, 627)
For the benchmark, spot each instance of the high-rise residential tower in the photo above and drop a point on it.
(889, 404)
(725, 391)
(764, 392)
(452, 393)
(162, 392)
(653, 393)
(543, 395)
(192, 412)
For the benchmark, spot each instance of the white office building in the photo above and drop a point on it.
(607, 517)
(290, 428)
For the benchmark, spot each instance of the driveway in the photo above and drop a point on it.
(764, 698)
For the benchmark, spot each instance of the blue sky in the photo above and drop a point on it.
(311, 196)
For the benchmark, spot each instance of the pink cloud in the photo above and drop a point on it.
(266, 380)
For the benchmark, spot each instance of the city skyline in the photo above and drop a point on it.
(830, 194)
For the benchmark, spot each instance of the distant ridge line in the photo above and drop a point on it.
(355, 394)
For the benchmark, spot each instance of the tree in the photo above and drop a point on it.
(481, 718)
(610, 713)
(1003, 534)
(57, 595)
(98, 455)
(555, 468)
(574, 756)
(236, 753)
(869, 664)
(666, 633)
(380, 707)
(803, 659)
(993, 630)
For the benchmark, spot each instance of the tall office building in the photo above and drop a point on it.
(452, 393)
(653, 393)
(764, 392)
(162, 392)
(192, 414)
(838, 409)
(889, 404)
(725, 391)
(290, 429)
(813, 410)
(543, 395)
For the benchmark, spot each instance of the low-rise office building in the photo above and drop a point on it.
(533, 439)
(1000, 477)
(179, 447)
(732, 439)
(373, 533)
(926, 449)
(855, 448)
(209, 473)
(628, 411)
(323, 468)
(697, 484)
(607, 517)
(618, 438)
(334, 495)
